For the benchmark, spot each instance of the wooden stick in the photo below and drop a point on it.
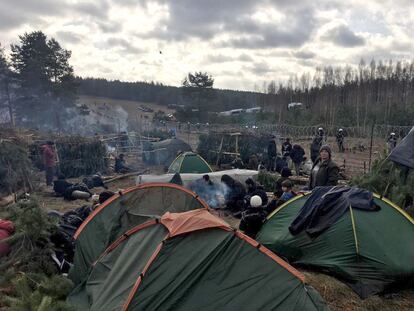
(124, 176)
(219, 151)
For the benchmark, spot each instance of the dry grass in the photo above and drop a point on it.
(340, 297)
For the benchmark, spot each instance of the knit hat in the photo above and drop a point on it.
(327, 149)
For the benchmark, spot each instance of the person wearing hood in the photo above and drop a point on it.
(234, 194)
(255, 189)
(325, 172)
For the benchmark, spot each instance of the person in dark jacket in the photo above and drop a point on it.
(234, 194)
(340, 137)
(253, 162)
(286, 148)
(120, 166)
(285, 174)
(315, 147)
(253, 217)
(325, 172)
(297, 155)
(94, 181)
(287, 194)
(255, 189)
(271, 154)
(60, 185)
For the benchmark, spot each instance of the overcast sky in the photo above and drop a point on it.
(240, 42)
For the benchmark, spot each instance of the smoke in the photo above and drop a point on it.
(101, 119)
(214, 194)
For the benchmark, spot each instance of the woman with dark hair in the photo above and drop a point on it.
(325, 172)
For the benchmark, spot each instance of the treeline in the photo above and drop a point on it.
(167, 95)
(380, 92)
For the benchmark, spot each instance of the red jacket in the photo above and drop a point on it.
(49, 157)
(6, 229)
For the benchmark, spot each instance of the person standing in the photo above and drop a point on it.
(297, 155)
(391, 142)
(340, 137)
(49, 161)
(286, 150)
(325, 172)
(271, 154)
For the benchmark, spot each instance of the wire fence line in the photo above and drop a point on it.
(380, 131)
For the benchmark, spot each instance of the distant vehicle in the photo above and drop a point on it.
(145, 109)
(294, 106)
(230, 112)
(254, 110)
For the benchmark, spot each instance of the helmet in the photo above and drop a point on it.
(392, 134)
(320, 129)
(340, 130)
(255, 201)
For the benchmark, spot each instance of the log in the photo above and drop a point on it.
(125, 176)
(4, 201)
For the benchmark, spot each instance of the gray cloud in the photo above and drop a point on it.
(245, 58)
(256, 35)
(341, 35)
(125, 45)
(9, 21)
(199, 18)
(69, 37)
(259, 68)
(219, 58)
(303, 54)
(110, 26)
(15, 13)
(94, 9)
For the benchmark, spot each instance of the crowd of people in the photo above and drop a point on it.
(249, 201)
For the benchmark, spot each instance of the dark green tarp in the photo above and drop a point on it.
(204, 269)
(371, 251)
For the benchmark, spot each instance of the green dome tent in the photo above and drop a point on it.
(192, 261)
(122, 212)
(189, 162)
(370, 251)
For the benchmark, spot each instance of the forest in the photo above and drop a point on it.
(380, 92)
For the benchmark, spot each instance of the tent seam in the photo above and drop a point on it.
(354, 230)
(144, 271)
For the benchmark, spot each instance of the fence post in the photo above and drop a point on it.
(370, 147)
